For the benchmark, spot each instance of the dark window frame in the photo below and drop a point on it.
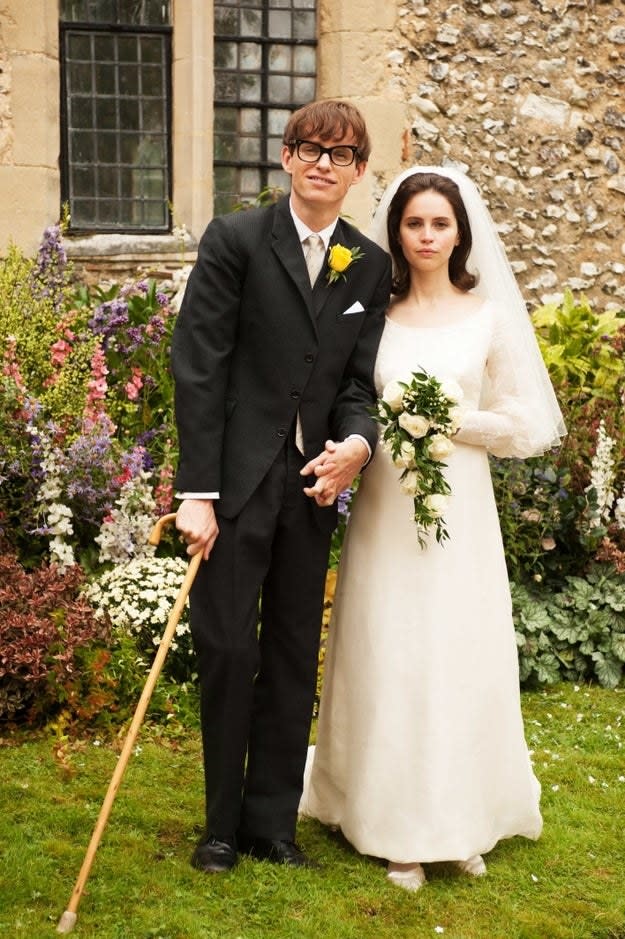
(89, 28)
(264, 105)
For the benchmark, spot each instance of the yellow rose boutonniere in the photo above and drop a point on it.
(339, 260)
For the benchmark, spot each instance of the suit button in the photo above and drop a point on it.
(281, 432)
(294, 394)
(309, 358)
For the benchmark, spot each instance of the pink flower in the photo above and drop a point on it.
(60, 350)
(134, 386)
(164, 491)
(97, 385)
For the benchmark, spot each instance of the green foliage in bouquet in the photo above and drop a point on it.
(418, 417)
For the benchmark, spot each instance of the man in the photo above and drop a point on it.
(273, 383)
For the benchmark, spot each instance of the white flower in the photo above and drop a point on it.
(61, 554)
(126, 533)
(436, 504)
(392, 394)
(416, 425)
(440, 447)
(602, 477)
(416, 416)
(455, 419)
(452, 390)
(405, 459)
(148, 587)
(619, 511)
(409, 483)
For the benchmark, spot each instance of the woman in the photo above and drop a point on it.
(420, 752)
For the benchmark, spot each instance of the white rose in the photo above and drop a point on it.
(455, 418)
(415, 424)
(409, 485)
(452, 390)
(392, 395)
(405, 457)
(436, 504)
(439, 447)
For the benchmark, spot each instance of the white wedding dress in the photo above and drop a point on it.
(420, 753)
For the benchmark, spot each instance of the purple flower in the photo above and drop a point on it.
(344, 502)
(155, 329)
(109, 317)
(48, 277)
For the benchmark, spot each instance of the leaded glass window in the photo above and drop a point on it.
(116, 110)
(265, 68)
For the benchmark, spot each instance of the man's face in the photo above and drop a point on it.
(321, 185)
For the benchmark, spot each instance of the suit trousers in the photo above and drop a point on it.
(256, 609)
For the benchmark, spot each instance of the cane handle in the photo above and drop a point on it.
(157, 531)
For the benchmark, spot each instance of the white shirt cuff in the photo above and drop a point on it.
(365, 441)
(197, 495)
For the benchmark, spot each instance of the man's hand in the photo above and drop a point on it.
(335, 469)
(196, 521)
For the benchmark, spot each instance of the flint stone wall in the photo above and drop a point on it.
(527, 96)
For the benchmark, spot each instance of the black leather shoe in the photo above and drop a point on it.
(215, 855)
(278, 852)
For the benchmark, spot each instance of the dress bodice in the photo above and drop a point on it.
(459, 351)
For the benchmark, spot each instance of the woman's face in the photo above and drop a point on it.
(428, 231)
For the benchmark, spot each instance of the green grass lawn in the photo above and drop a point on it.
(568, 885)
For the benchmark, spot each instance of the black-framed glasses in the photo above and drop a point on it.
(309, 152)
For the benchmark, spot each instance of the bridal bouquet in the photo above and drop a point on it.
(419, 417)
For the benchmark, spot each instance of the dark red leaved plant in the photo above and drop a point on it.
(47, 633)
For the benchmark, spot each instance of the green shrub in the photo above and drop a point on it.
(574, 634)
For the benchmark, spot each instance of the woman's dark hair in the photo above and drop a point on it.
(424, 182)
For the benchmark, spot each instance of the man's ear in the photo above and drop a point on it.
(360, 172)
(287, 158)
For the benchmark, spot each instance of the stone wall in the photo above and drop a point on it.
(528, 97)
(29, 107)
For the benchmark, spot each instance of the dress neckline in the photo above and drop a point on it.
(455, 325)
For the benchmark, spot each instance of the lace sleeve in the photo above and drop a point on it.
(508, 422)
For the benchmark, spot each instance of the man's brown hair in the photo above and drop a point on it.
(328, 120)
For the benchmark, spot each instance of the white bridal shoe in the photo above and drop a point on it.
(407, 876)
(473, 866)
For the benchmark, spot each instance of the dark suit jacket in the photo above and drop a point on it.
(253, 344)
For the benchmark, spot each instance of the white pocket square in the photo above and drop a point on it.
(356, 307)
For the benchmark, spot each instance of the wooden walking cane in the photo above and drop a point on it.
(68, 919)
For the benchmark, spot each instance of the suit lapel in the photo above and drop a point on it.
(322, 289)
(289, 252)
